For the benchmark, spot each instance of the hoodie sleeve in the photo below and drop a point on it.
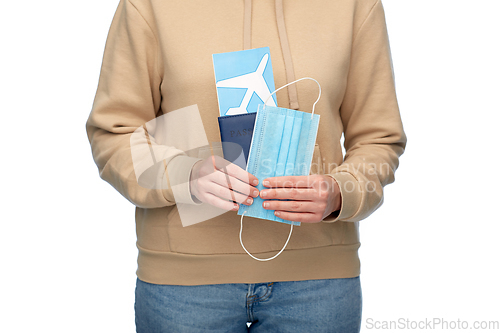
(127, 98)
(373, 131)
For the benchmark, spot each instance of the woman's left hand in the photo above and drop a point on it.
(303, 198)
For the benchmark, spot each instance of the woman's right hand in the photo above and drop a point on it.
(218, 182)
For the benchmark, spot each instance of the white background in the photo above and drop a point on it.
(68, 255)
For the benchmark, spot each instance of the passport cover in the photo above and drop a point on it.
(236, 137)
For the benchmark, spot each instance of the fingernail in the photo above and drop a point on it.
(255, 193)
(266, 204)
(255, 182)
(266, 183)
(277, 213)
(236, 207)
(249, 201)
(263, 193)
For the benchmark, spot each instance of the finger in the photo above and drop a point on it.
(299, 217)
(294, 206)
(235, 171)
(225, 180)
(288, 181)
(289, 193)
(227, 194)
(220, 203)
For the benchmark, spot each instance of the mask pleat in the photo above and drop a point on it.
(306, 145)
(283, 155)
(273, 124)
(294, 144)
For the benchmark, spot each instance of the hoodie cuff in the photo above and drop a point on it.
(351, 194)
(177, 179)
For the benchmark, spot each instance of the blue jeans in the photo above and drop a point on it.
(332, 305)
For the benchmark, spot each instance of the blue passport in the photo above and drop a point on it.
(236, 136)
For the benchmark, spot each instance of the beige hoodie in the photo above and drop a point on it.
(158, 59)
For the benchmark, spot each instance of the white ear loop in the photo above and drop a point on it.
(244, 248)
(304, 78)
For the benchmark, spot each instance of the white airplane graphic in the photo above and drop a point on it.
(254, 82)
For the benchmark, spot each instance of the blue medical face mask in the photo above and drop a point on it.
(282, 145)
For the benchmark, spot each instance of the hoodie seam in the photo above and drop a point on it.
(156, 251)
(157, 71)
(364, 21)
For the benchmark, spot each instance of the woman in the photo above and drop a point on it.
(158, 59)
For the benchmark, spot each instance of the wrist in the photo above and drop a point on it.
(336, 197)
(193, 176)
